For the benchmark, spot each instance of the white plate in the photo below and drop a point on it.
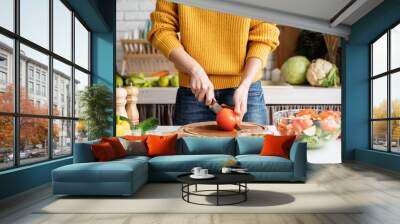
(208, 176)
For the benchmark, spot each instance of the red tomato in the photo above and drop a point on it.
(329, 125)
(227, 119)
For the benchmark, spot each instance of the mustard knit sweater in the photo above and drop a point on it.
(219, 42)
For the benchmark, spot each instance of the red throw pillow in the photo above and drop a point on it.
(161, 145)
(136, 138)
(103, 152)
(277, 145)
(116, 145)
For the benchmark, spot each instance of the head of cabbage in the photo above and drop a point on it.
(323, 73)
(294, 70)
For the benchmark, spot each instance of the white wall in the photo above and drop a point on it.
(131, 14)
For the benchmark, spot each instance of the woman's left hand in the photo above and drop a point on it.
(240, 100)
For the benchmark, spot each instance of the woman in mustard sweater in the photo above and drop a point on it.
(219, 56)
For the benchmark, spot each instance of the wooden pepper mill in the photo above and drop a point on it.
(121, 94)
(131, 108)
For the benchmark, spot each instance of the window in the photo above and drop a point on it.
(7, 14)
(7, 74)
(30, 72)
(385, 97)
(30, 87)
(34, 128)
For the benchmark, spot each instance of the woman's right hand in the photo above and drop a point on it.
(201, 86)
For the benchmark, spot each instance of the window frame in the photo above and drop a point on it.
(51, 118)
(389, 73)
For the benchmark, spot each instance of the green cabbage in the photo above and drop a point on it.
(294, 70)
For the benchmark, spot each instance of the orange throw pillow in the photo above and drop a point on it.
(103, 152)
(161, 145)
(277, 145)
(116, 145)
(136, 138)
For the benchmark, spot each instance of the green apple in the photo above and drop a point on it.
(163, 81)
(175, 81)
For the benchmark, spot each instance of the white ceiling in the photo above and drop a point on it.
(315, 15)
(321, 9)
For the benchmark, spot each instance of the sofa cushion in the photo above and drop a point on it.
(207, 145)
(249, 145)
(161, 145)
(185, 163)
(113, 171)
(116, 145)
(257, 163)
(103, 152)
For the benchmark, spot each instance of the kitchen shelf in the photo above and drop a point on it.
(279, 94)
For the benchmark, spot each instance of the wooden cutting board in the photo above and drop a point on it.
(209, 128)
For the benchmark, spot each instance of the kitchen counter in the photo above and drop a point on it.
(273, 94)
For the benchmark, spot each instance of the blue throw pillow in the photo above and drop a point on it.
(207, 145)
(249, 145)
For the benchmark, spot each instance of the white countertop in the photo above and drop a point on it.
(273, 94)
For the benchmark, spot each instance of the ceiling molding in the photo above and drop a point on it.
(271, 15)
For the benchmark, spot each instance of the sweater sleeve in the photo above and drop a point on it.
(263, 39)
(163, 34)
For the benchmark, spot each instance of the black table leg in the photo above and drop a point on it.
(195, 188)
(217, 194)
(245, 193)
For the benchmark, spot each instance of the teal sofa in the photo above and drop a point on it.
(125, 176)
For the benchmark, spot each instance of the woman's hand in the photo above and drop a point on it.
(201, 86)
(240, 100)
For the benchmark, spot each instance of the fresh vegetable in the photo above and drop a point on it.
(134, 81)
(315, 128)
(294, 70)
(119, 81)
(227, 119)
(311, 45)
(323, 73)
(147, 125)
(160, 73)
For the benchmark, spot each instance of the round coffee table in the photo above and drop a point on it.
(238, 179)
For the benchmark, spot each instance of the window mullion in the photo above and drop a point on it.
(73, 81)
(50, 80)
(389, 101)
(16, 69)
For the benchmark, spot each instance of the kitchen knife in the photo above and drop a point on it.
(215, 106)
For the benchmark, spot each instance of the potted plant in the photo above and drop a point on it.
(96, 106)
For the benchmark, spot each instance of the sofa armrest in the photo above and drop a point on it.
(83, 152)
(298, 155)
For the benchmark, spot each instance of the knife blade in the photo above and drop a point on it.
(215, 106)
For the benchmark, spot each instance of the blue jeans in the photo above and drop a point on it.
(189, 110)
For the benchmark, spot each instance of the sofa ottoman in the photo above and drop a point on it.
(119, 177)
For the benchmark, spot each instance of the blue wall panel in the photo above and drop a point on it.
(24, 178)
(356, 84)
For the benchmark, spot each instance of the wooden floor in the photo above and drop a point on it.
(351, 181)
